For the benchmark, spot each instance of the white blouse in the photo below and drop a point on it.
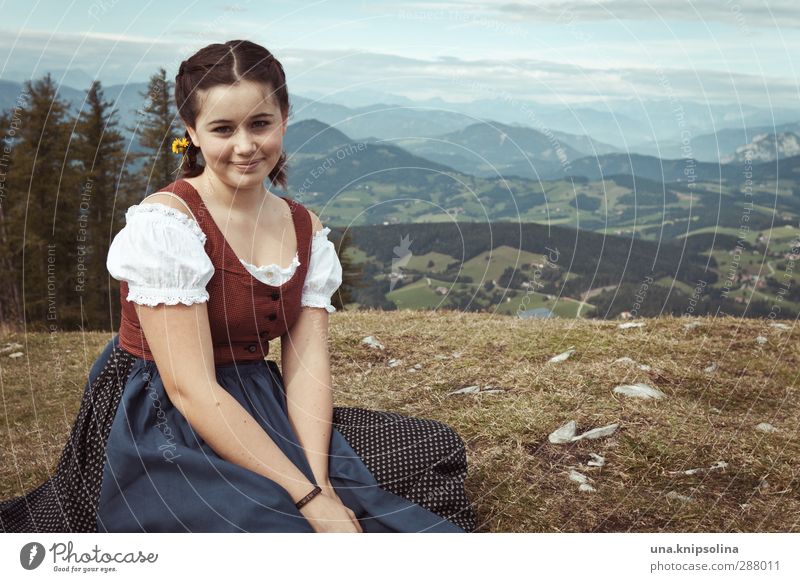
(160, 253)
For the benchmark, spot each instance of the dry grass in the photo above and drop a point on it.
(517, 479)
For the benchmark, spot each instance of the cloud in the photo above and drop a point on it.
(741, 13)
(112, 57)
(571, 77)
(456, 79)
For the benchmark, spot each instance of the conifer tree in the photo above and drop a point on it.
(99, 150)
(352, 275)
(10, 295)
(41, 209)
(157, 127)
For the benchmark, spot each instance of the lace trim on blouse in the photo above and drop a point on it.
(295, 260)
(168, 211)
(152, 297)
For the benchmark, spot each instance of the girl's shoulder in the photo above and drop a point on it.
(169, 199)
(316, 224)
(162, 208)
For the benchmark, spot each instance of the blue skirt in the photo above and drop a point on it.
(160, 476)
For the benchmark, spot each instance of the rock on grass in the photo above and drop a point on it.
(639, 390)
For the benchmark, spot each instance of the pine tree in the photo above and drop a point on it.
(352, 275)
(41, 209)
(10, 293)
(157, 127)
(99, 151)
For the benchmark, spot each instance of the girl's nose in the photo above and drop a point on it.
(245, 145)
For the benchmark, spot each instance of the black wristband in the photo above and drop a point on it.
(316, 491)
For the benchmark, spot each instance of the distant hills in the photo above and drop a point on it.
(619, 222)
(370, 182)
(474, 205)
(644, 127)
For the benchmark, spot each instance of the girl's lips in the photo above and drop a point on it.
(249, 166)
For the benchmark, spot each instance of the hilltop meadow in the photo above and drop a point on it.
(718, 452)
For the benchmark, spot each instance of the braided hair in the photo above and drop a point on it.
(226, 64)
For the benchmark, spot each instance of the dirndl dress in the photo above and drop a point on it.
(133, 464)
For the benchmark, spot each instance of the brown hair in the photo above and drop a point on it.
(225, 64)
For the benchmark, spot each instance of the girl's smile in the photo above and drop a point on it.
(239, 130)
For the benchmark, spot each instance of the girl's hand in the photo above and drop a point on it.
(328, 514)
(327, 489)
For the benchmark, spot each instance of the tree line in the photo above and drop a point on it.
(66, 181)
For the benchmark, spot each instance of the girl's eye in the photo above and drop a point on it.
(225, 127)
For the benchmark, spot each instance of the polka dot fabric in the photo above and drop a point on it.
(423, 461)
(66, 502)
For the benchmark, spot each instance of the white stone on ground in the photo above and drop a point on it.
(475, 389)
(715, 466)
(562, 356)
(766, 427)
(10, 347)
(372, 342)
(598, 433)
(563, 434)
(627, 360)
(639, 390)
(577, 476)
(466, 390)
(679, 497)
(597, 460)
(582, 479)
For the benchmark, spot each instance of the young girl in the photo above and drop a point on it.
(184, 425)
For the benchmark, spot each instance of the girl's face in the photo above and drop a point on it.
(240, 131)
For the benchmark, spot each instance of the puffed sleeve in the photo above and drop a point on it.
(324, 274)
(160, 253)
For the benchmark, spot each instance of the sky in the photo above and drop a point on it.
(550, 51)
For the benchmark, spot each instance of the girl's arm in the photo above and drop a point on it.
(305, 367)
(306, 371)
(179, 338)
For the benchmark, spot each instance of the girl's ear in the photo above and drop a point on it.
(192, 135)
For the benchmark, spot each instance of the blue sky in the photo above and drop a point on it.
(549, 51)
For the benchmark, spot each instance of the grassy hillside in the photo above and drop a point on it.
(508, 268)
(487, 178)
(519, 481)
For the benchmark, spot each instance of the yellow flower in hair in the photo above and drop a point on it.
(180, 145)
